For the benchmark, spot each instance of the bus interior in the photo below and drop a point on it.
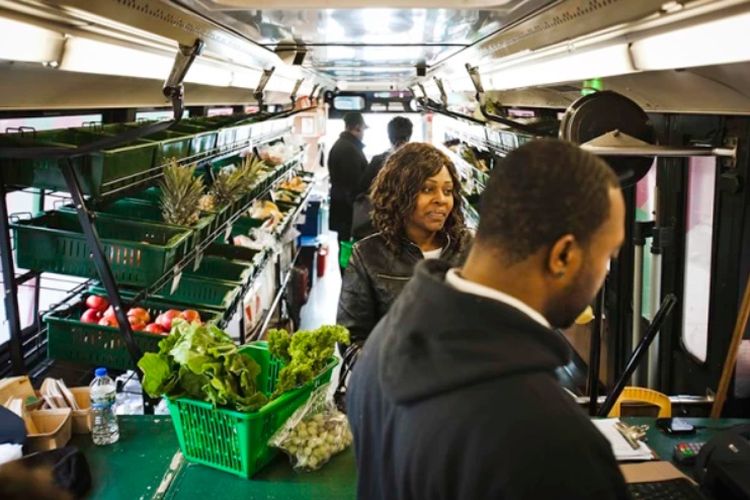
(658, 88)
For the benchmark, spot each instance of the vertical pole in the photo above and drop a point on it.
(653, 353)
(10, 290)
(86, 219)
(595, 353)
(637, 300)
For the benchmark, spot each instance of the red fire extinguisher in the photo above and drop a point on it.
(322, 257)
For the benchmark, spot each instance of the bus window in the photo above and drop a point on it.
(699, 219)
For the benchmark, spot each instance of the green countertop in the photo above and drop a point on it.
(134, 467)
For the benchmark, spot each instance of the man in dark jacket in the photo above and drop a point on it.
(346, 164)
(454, 395)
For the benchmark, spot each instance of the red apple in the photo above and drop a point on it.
(165, 319)
(91, 316)
(136, 324)
(109, 312)
(96, 302)
(154, 328)
(108, 321)
(140, 313)
(191, 316)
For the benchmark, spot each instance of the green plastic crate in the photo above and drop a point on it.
(193, 292)
(219, 268)
(172, 144)
(202, 139)
(91, 344)
(99, 173)
(139, 253)
(141, 210)
(233, 441)
(234, 252)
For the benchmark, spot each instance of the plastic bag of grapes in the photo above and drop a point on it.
(314, 433)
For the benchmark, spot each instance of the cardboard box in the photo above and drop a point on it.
(83, 422)
(54, 429)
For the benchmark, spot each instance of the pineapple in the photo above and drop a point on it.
(181, 192)
(232, 182)
(207, 203)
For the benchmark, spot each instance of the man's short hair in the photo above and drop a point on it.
(353, 119)
(399, 130)
(541, 191)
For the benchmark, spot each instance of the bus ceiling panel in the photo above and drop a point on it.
(437, 31)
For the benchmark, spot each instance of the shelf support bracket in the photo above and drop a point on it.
(293, 96)
(476, 79)
(258, 94)
(173, 88)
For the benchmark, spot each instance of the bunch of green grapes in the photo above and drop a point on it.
(314, 440)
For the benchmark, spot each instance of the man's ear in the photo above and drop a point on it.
(564, 257)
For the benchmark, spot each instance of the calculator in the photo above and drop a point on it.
(685, 453)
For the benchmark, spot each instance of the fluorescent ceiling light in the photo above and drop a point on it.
(723, 41)
(594, 63)
(246, 78)
(28, 43)
(278, 83)
(92, 56)
(206, 73)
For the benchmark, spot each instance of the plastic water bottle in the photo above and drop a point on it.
(103, 395)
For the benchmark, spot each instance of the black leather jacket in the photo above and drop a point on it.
(376, 275)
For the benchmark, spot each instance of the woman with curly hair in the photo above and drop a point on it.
(417, 211)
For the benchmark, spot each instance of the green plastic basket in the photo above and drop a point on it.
(202, 140)
(142, 210)
(193, 291)
(91, 344)
(219, 268)
(139, 253)
(99, 173)
(233, 441)
(171, 144)
(234, 252)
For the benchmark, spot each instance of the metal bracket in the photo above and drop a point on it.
(173, 87)
(616, 143)
(293, 96)
(443, 95)
(258, 93)
(476, 79)
(312, 92)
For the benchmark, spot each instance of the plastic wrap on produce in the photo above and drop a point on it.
(314, 433)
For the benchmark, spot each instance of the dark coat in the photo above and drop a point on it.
(454, 397)
(362, 225)
(376, 275)
(346, 164)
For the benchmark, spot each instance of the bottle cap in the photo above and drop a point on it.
(100, 372)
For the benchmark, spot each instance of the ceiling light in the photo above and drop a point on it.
(28, 43)
(92, 56)
(704, 44)
(593, 63)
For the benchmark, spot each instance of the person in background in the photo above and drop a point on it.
(417, 212)
(454, 394)
(346, 164)
(399, 133)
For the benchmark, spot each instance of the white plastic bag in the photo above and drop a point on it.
(314, 433)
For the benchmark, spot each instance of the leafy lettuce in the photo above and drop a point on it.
(202, 362)
(305, 354)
